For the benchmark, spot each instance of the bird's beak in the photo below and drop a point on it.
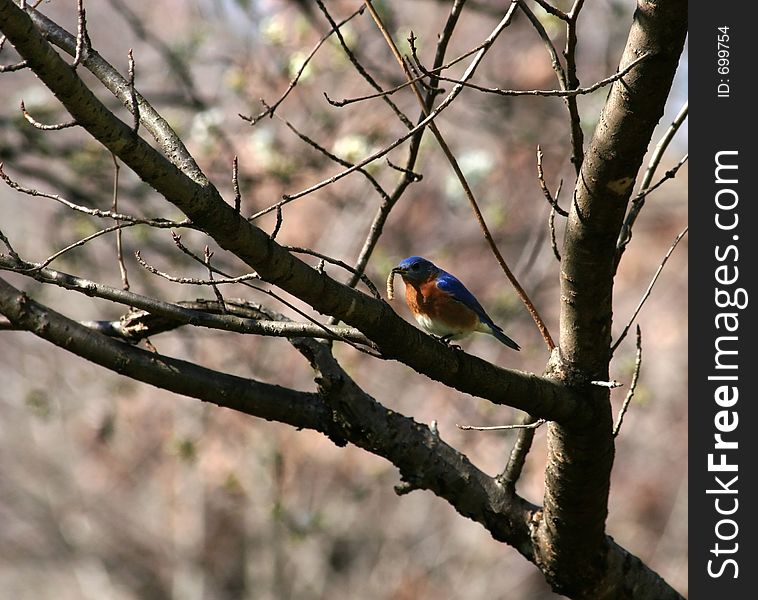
(400, 270)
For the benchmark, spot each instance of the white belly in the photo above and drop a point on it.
(440, 329)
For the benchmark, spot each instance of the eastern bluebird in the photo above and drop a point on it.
(442, 305)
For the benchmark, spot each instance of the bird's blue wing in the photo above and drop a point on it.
(452, 286)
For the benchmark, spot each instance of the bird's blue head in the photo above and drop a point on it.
(416, 269)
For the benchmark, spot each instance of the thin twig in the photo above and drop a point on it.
(549, 8)
(387, 92)
(362, 276)
(236, 185)
(444, 39)
(133, 93)
(278, 224)
(271, 109)
(670, 174)
(632, 386)
(83, 241)
(519, 452)
(119, 247)
(431, 73)
(405, 170)
(8, 245)
(194, 280)
(553, 241)
(34, 123)
(83, 44)
(13, 67)
(661, 146)
(612, 384)
(543, 185)
(563, 93)
(625, 234)
(159, 222)
(577, 135)
(648, 290)
(555, 61)
(534, 425)
(207, 254)
(361, 69)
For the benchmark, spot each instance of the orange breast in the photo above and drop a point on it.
(428, 300)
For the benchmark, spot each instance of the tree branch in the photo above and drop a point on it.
(164, 316)
(572, 538)
(270, 402)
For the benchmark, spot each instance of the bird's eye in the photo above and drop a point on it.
(414, 267)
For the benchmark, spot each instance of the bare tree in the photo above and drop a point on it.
(564, 537)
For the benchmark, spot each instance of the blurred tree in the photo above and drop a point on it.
(487, 144)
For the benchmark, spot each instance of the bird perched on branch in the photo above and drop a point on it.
(441, 304)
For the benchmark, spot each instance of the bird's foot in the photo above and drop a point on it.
(446, 340)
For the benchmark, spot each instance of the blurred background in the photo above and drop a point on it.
(114, 489)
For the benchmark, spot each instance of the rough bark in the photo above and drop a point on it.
(572, 544)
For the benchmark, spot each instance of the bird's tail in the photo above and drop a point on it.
(498, 333)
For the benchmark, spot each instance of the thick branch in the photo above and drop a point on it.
(271, 402)
(424, 459)
(626, 125)
(573, 550)
(233, 316)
